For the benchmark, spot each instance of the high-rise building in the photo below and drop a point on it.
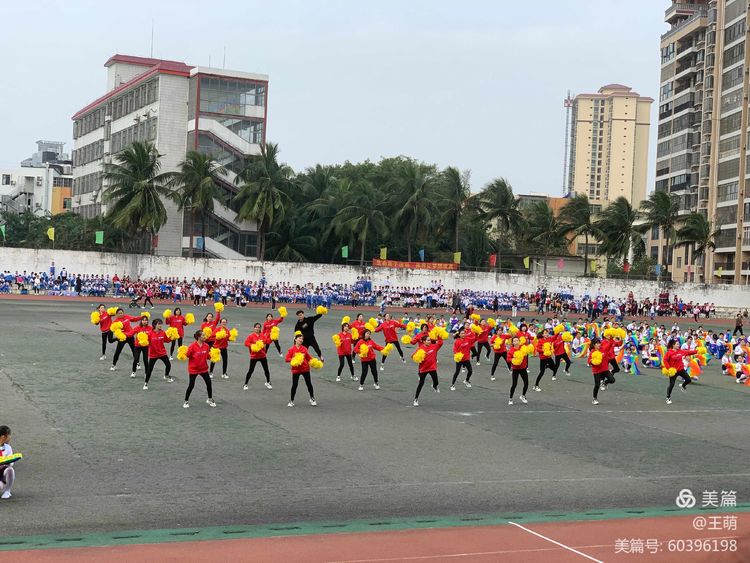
(178, 108)
(701, 153)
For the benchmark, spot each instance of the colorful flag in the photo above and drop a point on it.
(51, 233)
(594, 265)
(493, 260)
(560, 264)
(719, 272)
(657, 269)
(2, 230)
(626, 266)
(456, 257)
(99, 237)
(421, 254)
(526, 262)
(383, 253)
(345, 251)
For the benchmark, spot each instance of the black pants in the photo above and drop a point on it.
(524, 375)
(264, 364)
(498, 355)
(178, 342)
(106, 337)
(140, 352)
(686, 381)
(372, 365)
(312, 343)
(120, 345)
(224, 362)
(738, 329)
(152, 363)
(544, 364)
(614, 366)
(275, 343)
(603, 377)
(477, 352)
(308, 382)
(465, 364)
(346, 358)
(206, 379)
(562, 358)
(422, 378)
(148, 301)
(397, 346)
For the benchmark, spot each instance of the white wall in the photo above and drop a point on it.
(20, 259)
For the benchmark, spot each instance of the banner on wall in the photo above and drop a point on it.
(377, 263)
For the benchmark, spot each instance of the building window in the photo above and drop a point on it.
(225, 96)
(655, 232)
(67, 203)
(6, 180)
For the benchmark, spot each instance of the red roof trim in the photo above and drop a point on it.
(133, 60)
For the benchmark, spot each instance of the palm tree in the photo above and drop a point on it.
(414, 195)
(661, 210)
(453, 199)
(197, 187)
(323, 212)
(576, 218)
(543, 229)
(289, 242)
(498, 205)
(135, 190)
(698, 232)
(265, 191)
(618, 231)
(362, 212)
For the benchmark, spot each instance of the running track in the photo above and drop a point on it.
(560, 542)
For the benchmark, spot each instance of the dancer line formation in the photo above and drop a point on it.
(606, 347)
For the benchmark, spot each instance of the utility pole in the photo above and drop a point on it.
(568, 103)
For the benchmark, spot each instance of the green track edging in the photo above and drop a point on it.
(315, 528)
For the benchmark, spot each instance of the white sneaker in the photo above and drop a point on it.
(353, 378)
(313, 403)
(682, 388)
(523, 399)
(479, 364)
(338, 378)
(170, 358)
(6, 495)
(268, 385)
(360, 388)
(602, 387)
(415, 403)
(382, 367)
(169, 379)
(112, 368)
(377, 387)
(492, 378)
(132, 375)
(554, 378)
(510, 401)
(224, 376)
(145, 386)
(281, 356)
(453, 387)
(669, 401)
(567, 373)
(594, 402)
(211, 375)
(245, 387)
(537, 388)
(210, 402)
(436, 390)
(403, 360)
(290, 404)
(468, 385)
(185, 405)
(138, 367)
(103, 358)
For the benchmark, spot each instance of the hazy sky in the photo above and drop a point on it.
(474, 84)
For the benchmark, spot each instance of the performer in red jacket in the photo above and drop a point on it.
(673, 360)
(428, 366)
(389, 327)
(463, 344)
(177, 320)
(499, 345)
(519, 368)
(105, 321)
(368, 360)
(545, 356)
(121, 317)
(599, 369)
(344, 350)
(268, 324)
(157, 351)
(302, 369)
(258, 357)
(197, 355)
(221, 344)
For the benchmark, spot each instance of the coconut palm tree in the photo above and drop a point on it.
(265, 187)
(290, 241)
(576, 219)
(414, 197)
(362, 213)
(698, 232)
(454, 195)
(661, 210)
(543, 230)
(196, 188)
(499, 207)
(322, 212)
(619, 232)
(135, 190)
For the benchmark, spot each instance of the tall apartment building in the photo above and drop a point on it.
(178, 108)
(701, 152)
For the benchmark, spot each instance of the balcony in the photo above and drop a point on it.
(691, 14)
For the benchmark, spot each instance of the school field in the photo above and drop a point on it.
(103, 457)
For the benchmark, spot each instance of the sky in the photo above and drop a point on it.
(478, 85)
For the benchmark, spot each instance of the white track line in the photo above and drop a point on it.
(555, 542)
(457, 555)
(523, 410)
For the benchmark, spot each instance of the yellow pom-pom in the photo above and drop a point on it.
(315, 363)
(95, 317)
(182, 353)
(346, 320)
(517, 358)
(233, 334)
(355, 334)
(522, 340)
(476, 317)
(513, 330)
(207, 332)
(529, 349)
(189, 319)
(558, 328)
(364, 349)
(146, 314)
(406, 339)
(172, 333)
(701, 350)
(547, 349)
(622, 334)
(492, 322)
(672, 371)
(433, 334)
(221, 334)
(214, 355)
(282, 312)
(458, 357)
(419, 356)
(336, 340)
(567, 337)
(297, 359)
(275, 333)
(257, 346)
(497, 344)
(320, 310)
(218, 306)
(476, 329)
(387, 349)
(142, 339)
(120, 335)
(442, 333)
(665, 371)
(115, 326)
(373, 321)
(410, 326)
(112, 311)
(167, 313)
(369, 326)
(596, 358)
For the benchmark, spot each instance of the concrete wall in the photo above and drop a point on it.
(19, 259)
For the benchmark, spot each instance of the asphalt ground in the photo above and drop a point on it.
(103, 455)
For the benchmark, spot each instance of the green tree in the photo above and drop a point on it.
(576, 219)
(361, 214)
(414, 195)
(499, 207)
(543, 230)
(322, 212)
(196, 188)
(661, 210)
(290, 241)
(619, 232)
(265, 185)
(698, 232)
(454, 195)
(135, 191)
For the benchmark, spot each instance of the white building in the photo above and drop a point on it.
(178, 108)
